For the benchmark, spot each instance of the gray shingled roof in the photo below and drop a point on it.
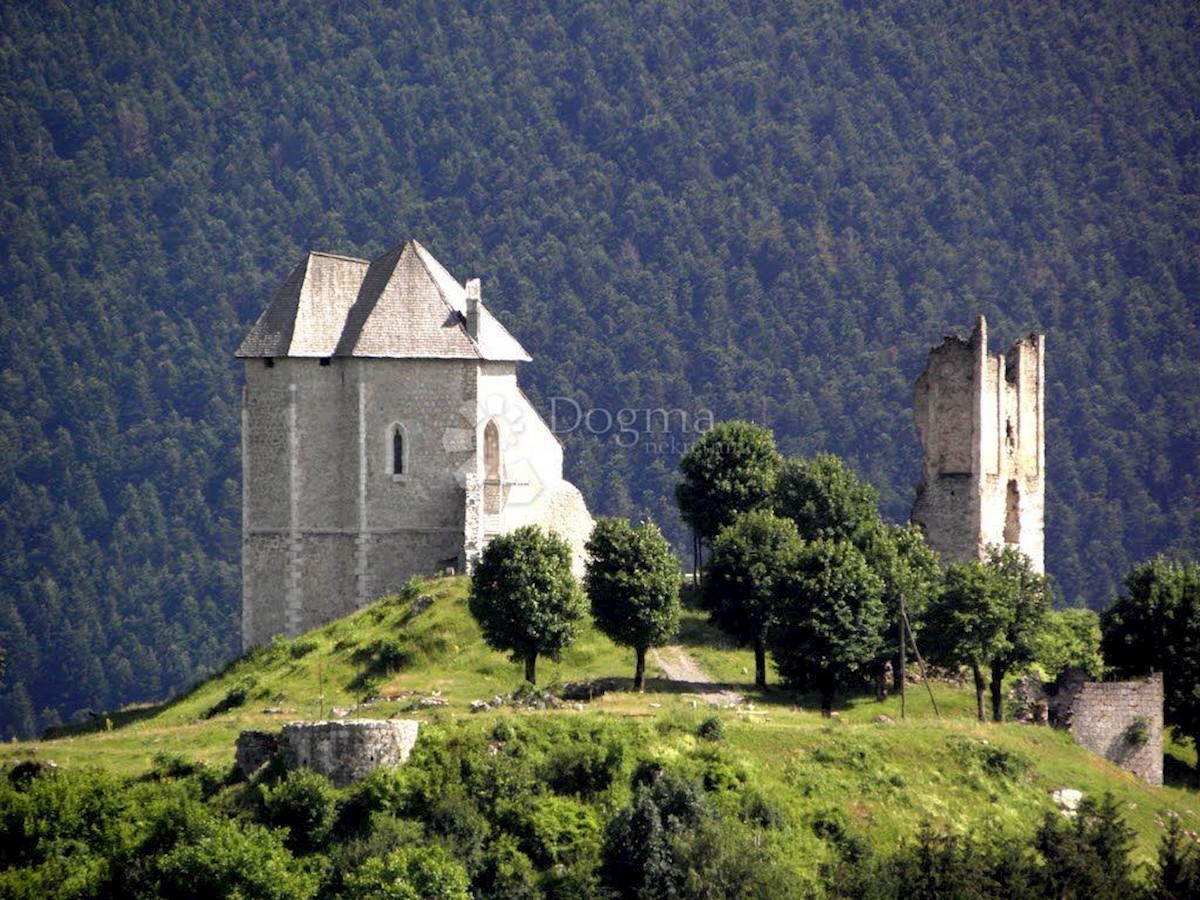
(402, 305)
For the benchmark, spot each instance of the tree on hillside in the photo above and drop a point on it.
(730, 470)
(1155, 626)
(524, 597)
(831, 618)
(912, 578)
(827, 500)
(633, 584)
(742, 581)
(965, 621)
(990, 616)
(1070, 640)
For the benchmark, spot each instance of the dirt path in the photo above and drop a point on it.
(679, 665)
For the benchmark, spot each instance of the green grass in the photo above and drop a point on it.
(880, 780)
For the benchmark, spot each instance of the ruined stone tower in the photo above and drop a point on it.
(981, 419)
(383, 436)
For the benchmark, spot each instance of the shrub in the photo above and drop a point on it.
(229, 861)
(410, 873)
(712, 729)
(507, 874)
(301, 647)
(304, 803)
(236, 696)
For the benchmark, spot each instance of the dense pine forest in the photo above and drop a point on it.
(762, 210)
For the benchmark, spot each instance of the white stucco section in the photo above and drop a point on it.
(532, 490)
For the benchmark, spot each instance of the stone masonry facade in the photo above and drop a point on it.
(1119, 720)
(981, 418)
(344, 752)
(384, 435)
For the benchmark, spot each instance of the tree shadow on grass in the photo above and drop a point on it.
(1178, 773)
(695, 631)
(106, 721)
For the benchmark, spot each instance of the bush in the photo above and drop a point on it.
(508, 874)
(410, 873)
(305, 804)
(1138, 732)
(712, 729)
(251, 864)
(236, 696)
(301, 647)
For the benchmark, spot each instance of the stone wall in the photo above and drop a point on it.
(343, 752)
(1104, 717)
(328, 526)
(980, 416)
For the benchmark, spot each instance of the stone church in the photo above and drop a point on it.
(384, 435)
(981, 417)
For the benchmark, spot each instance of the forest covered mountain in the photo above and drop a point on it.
(767, 210)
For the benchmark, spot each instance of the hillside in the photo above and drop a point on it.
(420, 655)
(812, 789)
(762, 210)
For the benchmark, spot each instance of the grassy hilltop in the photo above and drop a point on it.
(420, 655)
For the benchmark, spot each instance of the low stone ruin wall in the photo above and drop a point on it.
(1119, 720)
(343, 752)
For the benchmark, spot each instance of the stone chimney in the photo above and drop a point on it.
(473, 300)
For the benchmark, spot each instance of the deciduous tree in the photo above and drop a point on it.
(1155, 626)
(730, 470)
(831, 618)
(524, 596)
(990, 616)
(743, 579)
(633, 584)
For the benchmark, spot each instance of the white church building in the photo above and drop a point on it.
(383, 436)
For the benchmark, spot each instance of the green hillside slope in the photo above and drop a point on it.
(764, 210)
(420, 656)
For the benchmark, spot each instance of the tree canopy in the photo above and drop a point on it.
(680, 209)
(731, 469)
(832, 618)
(633, 583)
(827, 500)
(744, 581)
(524, 596)
(1155, 626)
(990, 616)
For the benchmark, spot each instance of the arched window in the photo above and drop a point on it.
(491, 452)
(396, 451)
(492, 487)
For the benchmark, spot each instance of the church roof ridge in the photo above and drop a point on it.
(403, 304)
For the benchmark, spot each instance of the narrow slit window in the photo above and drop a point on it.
(396, 451)
(1012, 515)
(491, 452)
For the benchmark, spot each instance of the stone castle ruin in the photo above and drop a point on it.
(383, 436)
(981, 420)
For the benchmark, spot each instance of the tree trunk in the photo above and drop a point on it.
(901, 682)
(978, 692)
(760, 663)
(531, 668)
(639, 676)
(997, 692)
(827, 692)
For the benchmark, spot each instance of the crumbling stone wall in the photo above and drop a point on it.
(981, 420)
(1119, 720)
(343, 752)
